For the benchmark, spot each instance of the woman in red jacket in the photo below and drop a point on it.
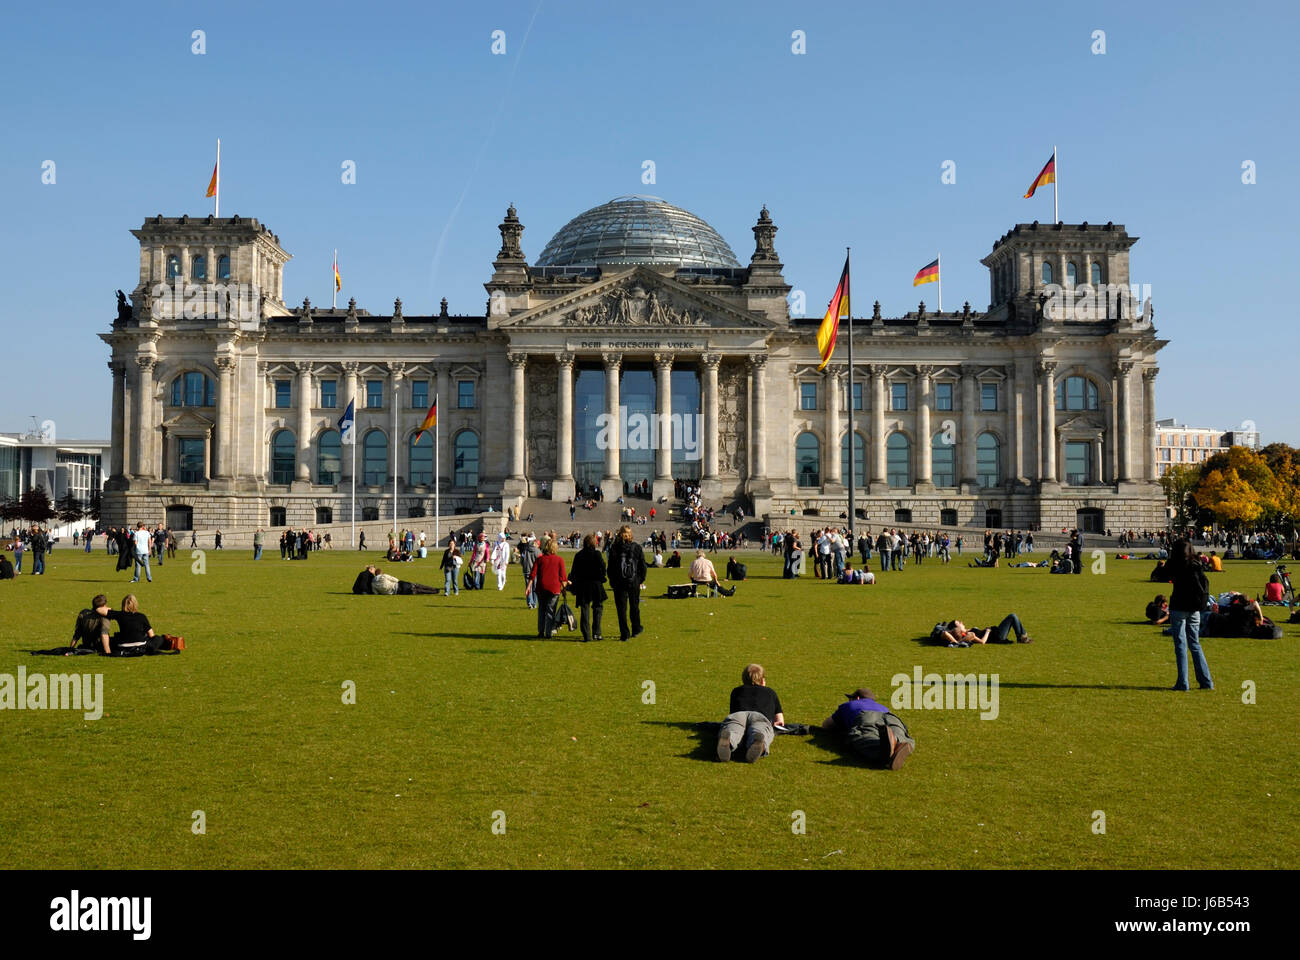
(548, 579)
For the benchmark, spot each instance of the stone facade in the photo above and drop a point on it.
(1038, 411)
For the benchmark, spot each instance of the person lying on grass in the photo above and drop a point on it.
(1158, 609)
(957, 634)
(871, 730)
(754, 710)
(372, 580)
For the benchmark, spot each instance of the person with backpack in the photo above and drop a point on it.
(871, 730)
(1190, 596)
(627, 572)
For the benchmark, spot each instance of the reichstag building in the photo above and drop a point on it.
(636, 349)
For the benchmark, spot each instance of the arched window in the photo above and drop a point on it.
(421, 459)
(943, 460)
(223, 267)
(988, 460)
(1076, 393)
(1047, 272)
(466, 459)
(859, 461)
(282, 456)
(807, 460)
(1096, 274)
(898, 460)
(375, 459)
(199, 268)
(329, 457)
(193, 389)
(1071, 274)
(173, 266)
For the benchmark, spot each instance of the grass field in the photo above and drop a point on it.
(460, 713)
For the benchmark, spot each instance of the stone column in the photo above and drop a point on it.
(518, 386)
(1046, 372)
(562, 488)
(969, 402)
(351, 373)
(302, 464)
(1016, 423)
(1123, 369)
(925, 449)
(831, 457)
(877, 373)
(663, 434)
(117, 455)
(758, 418)
(143, 445)
(441, 436)
(227, 430)
(207, 454)
(711, 400)
(1149, 375)
(163, 465)
(1096, 461)
(396, 373)
(612, 483)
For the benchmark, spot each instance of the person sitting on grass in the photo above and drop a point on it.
(674, 561)
(957, 634)
(755, 709)
(871, 730)
(1274, 591)
(986, 561)
(1158, 609)
(704, 575)
(849, 575)
(6, 568)
(135, 636)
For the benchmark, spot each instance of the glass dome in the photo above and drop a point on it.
(636, 229)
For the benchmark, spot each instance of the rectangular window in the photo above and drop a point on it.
(943, 396)
(189, 460)
(465, 394)
(374, 394)
(283, 393)
(857, 396)
(807, 396)
(898, 396)
(1078, 464)
(329, 393)
(420, 394)
(988, 396)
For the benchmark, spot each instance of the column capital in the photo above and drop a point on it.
(303, 366)
(612, 361)
(875, 369)
(970, 369)
(146, 364)
(397, 370)
(924, 371)
(117, 366)
(713, 359)
(517, 358)
(1149, 374)
(564, 358)
(226, 363)
(350, 367)
(663, 360)
(1046, 367)
(1123, 367)
(758, 361)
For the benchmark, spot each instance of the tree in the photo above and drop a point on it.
(1231, 499)
(69, 508)
(1239, 465)
(10, 509)
(1179, 481)
(95, 506)
(35, 505)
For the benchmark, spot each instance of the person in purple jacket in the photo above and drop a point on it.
(870, 730)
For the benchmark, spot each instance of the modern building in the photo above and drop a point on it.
(1179, 443)
(636, 314)
(36, 458)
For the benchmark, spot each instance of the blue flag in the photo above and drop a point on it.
(346, 423)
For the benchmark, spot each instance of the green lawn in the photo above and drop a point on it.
(460, 713)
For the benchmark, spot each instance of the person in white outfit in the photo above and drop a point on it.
(500, 559)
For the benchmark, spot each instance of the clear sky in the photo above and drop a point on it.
(845, 144)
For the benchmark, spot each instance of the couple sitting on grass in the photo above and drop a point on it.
(868, 728)
(135, 635)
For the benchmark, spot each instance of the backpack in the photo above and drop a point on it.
(627, 565)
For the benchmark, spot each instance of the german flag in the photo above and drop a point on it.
(837, 310)
(212, 184)
(430, 421)
(1045, 176)
(338, 281)
(927, 274)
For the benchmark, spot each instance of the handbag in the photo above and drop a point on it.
(564, 615)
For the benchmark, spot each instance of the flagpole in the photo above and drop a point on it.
(352, 437)
(437, 475)
(938, 262)
(216, 197)
(1056, 179)
(852, 438)
(334, 282)
(396, 385)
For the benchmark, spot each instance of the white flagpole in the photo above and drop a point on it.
(437, 473)
(352, 437)
(1056, 180)
(216, 198)
(939, 266)
(396, 385)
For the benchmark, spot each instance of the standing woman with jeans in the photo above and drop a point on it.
(548, 581)
(450, 568)
(1186, 603)
(588, 580)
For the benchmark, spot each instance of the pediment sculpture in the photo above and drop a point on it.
(634, 307)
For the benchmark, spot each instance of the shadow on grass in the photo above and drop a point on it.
(704, 732)
(1075, 686)
(468, 636)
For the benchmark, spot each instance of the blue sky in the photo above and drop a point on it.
(843, 143)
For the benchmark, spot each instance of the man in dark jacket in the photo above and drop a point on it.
(626, 574)
(1186, 604)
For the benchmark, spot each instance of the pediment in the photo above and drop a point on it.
(1081, 423)
(641, 299)
(187, 420)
